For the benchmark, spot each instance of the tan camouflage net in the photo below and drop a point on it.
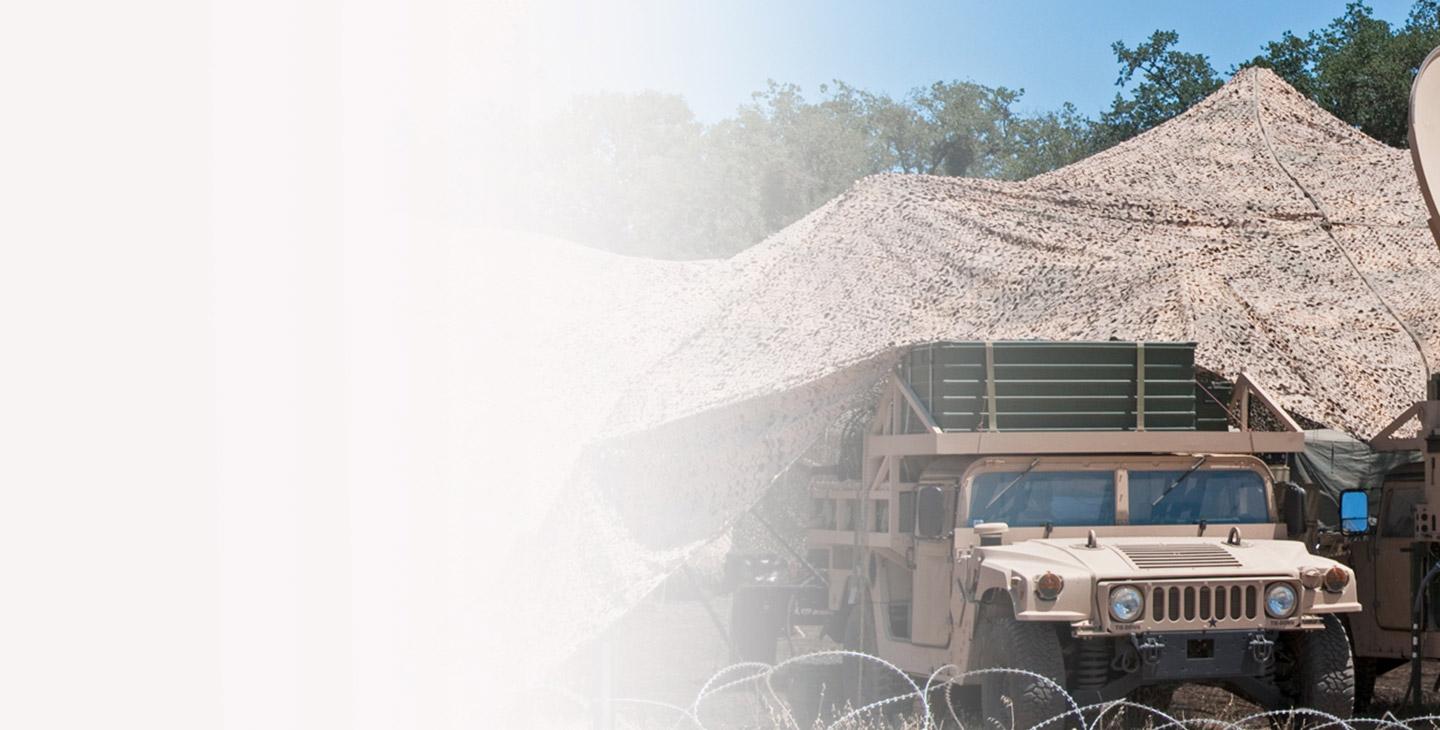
(1284, 242)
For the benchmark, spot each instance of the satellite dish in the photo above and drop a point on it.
(1425, 131)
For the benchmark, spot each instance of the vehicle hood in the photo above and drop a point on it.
(1162, 557)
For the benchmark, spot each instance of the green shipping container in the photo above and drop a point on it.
(1063, 386)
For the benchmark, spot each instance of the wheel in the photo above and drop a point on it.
(1018, 701)
(1324, 671)
(862, 681)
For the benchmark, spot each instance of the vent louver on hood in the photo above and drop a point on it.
(1202, 555)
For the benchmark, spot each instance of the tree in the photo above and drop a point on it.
(968, 127)
(796, 154)
(1291, 58)
(1170, 82)
(1048, 142)
(897, 132)
(1359, 67)
(639, 174)
(608, 160)
(1360, 76)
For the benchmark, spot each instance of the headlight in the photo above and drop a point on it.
(1126, 603)
(1048, 586)
(1336, 578)
(1280, 600)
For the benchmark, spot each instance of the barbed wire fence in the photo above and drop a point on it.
(761, 676)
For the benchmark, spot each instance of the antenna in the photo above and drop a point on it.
(1425, 131)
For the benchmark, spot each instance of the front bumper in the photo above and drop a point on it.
(1243, 659)
(1199, 655)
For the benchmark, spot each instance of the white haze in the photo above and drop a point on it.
(255, 462)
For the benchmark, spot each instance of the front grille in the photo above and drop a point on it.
(1202, 555)
(1202, 604)
(1177, 603)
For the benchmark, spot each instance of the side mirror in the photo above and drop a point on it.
(930, 512)
(1354, 512)
(1294, 508)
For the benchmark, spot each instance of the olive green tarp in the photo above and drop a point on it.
(1334, 461)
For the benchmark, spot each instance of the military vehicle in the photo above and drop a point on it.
(1090, 513)
(1395, 553)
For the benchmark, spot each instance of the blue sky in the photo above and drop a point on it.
(716, 53)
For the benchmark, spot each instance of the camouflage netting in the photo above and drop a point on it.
(1284, 242)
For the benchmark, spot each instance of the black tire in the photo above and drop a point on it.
(1325, 672)
(1016, 701)
(862, 681)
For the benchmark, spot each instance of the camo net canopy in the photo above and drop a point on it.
(1285, 243)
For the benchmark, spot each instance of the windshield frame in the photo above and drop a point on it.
(1121, 466)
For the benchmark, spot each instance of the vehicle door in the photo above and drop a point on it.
(1390, 552)
(934, 575)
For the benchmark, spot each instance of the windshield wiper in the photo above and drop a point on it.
(1179, 480)
(1012, 483)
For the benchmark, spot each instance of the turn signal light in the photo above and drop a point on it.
(1336, 579)
(1048, 586)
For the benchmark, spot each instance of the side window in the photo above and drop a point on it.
(910, 505)
(1399, 519)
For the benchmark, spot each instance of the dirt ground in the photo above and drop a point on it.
(667, 650)
(1390, 692)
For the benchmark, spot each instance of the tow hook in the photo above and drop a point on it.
(1148, 646)
(1261, 648)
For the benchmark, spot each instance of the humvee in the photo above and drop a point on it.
(1387, 527)
(1394, 553)
(1396, 556)
(1087, 512)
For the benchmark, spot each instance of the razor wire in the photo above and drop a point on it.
(762, 674)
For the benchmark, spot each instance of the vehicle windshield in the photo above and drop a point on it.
(1214, 495)
(1043, 497)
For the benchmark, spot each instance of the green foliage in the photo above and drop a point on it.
(1360, 75)
(1170, 82)
(620, 170)
(796, 154)
(1048, 141)
(638, 174)
(1359, 67)
(967, 127)
(1291, 58)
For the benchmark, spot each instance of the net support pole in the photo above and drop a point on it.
(1139, 386)
(990, 384)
